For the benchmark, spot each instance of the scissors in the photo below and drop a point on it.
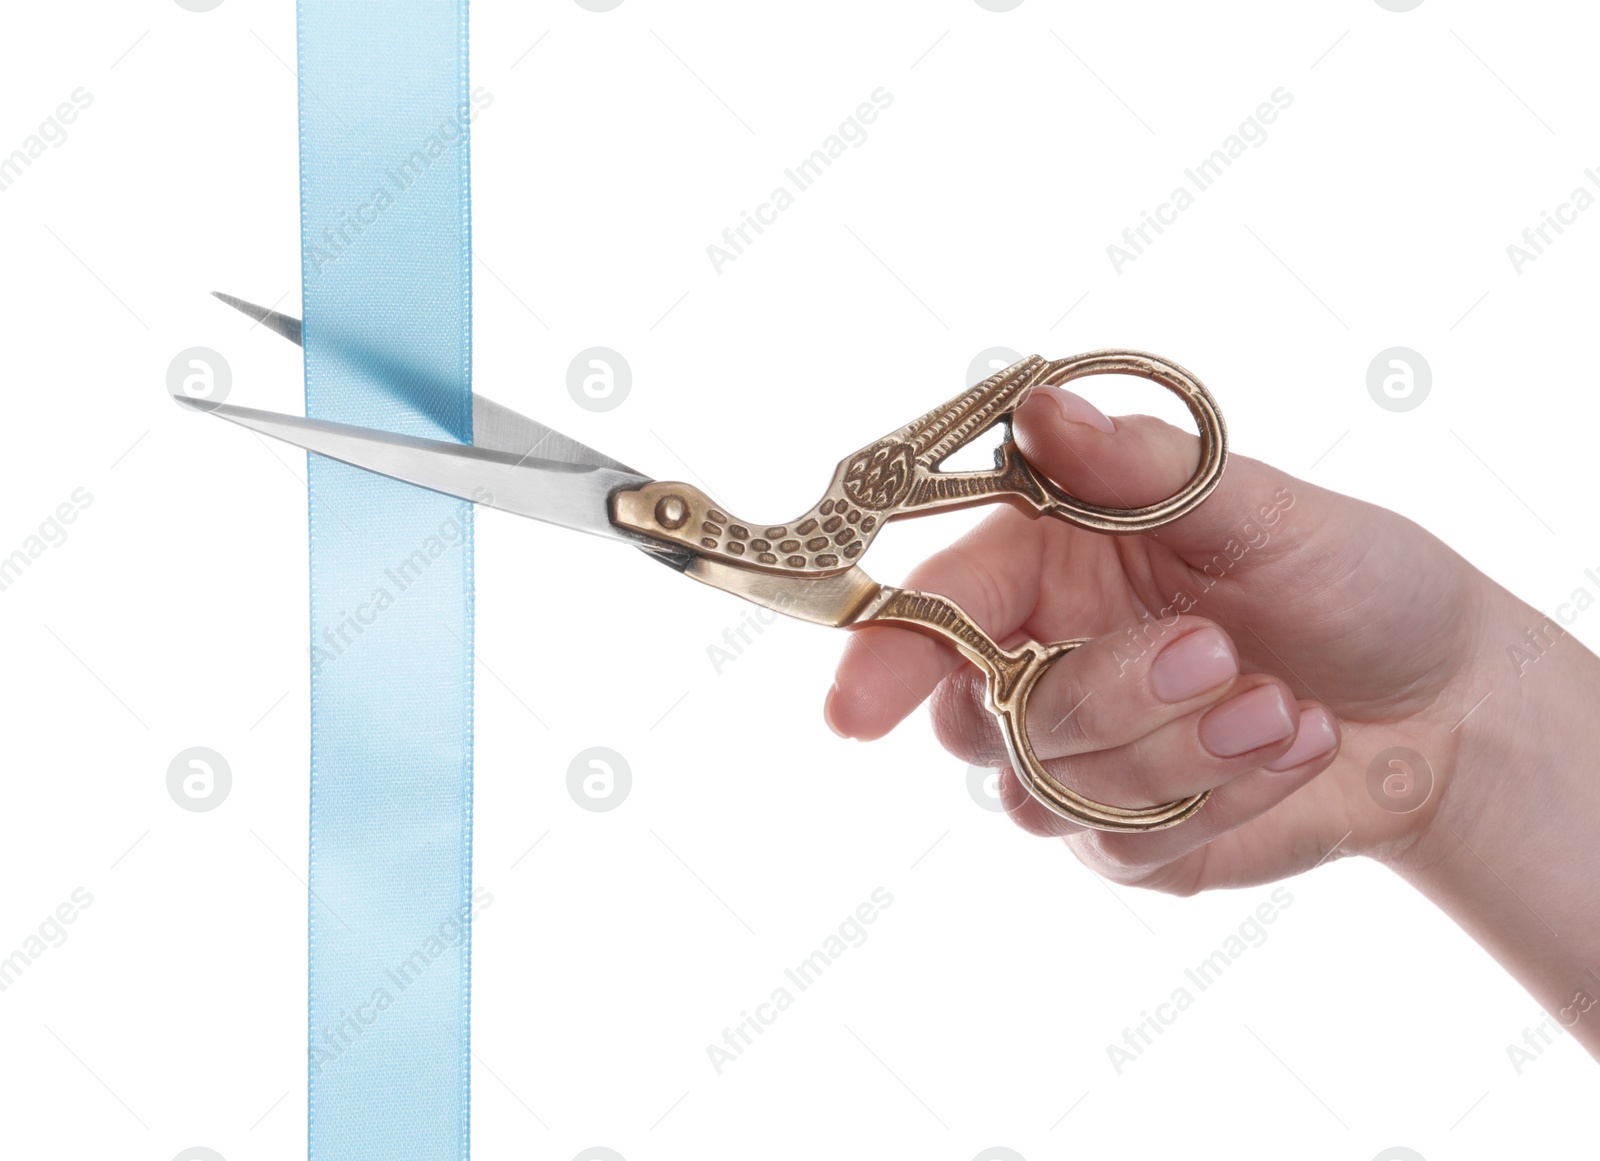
(806, 567)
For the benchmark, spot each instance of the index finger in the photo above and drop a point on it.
(886, 672)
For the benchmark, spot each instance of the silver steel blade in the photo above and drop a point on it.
(554, 491)
(498, 428)
(494, 426)
(286, 325)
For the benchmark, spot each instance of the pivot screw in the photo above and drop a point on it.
(672, 512)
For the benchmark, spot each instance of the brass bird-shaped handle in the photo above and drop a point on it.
(899, 476)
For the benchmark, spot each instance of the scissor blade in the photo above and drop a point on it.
(494, 426)
(572, 495)
(498, 428)
(286, 325)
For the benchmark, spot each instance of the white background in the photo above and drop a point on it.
(977, 213)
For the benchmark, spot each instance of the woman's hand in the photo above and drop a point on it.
(1268, 646)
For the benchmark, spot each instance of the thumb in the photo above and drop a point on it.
(1136, 460)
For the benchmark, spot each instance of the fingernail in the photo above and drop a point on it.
(827, 711)
(1317, 736)
(1248, 722)
(1075, 408)
(1192, 664)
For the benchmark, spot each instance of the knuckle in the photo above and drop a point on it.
(1032, 816)
(1177, 878)
(1132, 860)
(1035, 823)
(961, 723)
(1135, 648)
(1110, 856)
(1144, 774)
(1065, 721)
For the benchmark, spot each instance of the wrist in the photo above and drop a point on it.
(1508, 850)
(1516, 733)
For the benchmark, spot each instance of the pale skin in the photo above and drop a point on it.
(1312, 633)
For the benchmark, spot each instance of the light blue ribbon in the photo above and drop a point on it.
(387, 289)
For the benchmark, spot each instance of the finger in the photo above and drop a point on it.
(1308, 828)
(1263, 785)
(1201, 751)
(1135, 460)
(1104, 694)
(885, 672)
(1145, 859)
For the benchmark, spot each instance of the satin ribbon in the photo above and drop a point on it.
(387, 290)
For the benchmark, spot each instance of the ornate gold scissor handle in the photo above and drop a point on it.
(805, 567)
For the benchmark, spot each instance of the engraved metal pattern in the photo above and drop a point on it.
(880, 477)
(899, 476)
(1012, 675)
(805, 567)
